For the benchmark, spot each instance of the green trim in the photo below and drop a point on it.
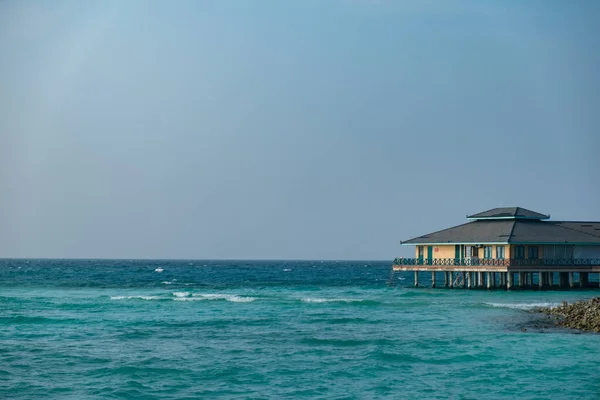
(562, 243)
(451, 243)
(514, 217)
(484, 243)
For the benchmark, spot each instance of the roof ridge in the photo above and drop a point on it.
(577, 230)
(572, 222)
(442, 230)
(514, 222)
(509, 212)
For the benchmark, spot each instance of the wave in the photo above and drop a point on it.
(323, 300)
(215, 296)
(137, 297)
(187, 296)
(522, 306)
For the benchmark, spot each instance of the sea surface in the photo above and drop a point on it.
(86, 329)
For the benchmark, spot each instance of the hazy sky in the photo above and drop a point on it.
(327, 129)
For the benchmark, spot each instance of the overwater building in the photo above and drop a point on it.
(508, 247)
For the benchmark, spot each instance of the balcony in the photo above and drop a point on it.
(484, 264)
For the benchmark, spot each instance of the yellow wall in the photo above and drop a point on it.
(448, 251)
(445, 251)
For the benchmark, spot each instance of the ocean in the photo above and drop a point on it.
(139, 329)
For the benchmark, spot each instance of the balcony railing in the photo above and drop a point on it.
(506, 262)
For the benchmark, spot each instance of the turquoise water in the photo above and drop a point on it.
(208, 329)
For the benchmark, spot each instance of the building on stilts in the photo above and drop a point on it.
(508, 248)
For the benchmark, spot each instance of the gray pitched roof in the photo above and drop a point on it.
(515, 231)
(509, 213)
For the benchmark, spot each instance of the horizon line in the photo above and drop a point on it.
(189, 259)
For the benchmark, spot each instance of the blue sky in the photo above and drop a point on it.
(297, 129)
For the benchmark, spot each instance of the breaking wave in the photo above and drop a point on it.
(137, 297)
(215, 296)
(188, 296)
(522, 306)
(323, 300)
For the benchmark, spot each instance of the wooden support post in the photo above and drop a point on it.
(451, 273)
(540, 280)
(481, 279)
(509, 280)
(571, 280)
(493, 279)
(545, 278)
(445, 278)
(550, 278)
(469, 276)
(416, 278)
(465, 276)
(489, 280)
(583, 279)
(521, 277)
(433, 279)
(563, 277)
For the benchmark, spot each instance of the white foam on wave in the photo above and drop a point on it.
(136, 297)
(522, 306)
(228, 297)
(187, 296)
(223, 296)
(159, 269)
(322, 300)
(286, 270)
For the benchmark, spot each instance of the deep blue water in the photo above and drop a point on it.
(73, 329)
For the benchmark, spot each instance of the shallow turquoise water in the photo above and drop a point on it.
(202, 329)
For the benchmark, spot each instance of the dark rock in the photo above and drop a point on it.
(582, 315)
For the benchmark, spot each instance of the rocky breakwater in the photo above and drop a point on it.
(582, 315)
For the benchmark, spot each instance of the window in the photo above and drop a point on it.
(519, 252)
(420, 252)
(500, 252)
(487, 252)
(532, 252)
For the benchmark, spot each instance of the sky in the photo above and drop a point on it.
(329, 129)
